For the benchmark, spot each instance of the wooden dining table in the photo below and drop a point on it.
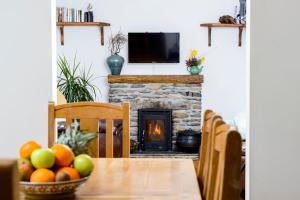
(141, 178)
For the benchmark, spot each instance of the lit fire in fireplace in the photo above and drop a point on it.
(155, 130)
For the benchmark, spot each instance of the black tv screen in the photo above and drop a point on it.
(153, 47)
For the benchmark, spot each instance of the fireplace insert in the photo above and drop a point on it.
(155, 129)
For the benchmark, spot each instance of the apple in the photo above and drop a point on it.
(62, 176)
(25, 169)
(84, 165)
(42, 158)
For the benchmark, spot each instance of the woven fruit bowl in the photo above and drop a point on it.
(64, 188)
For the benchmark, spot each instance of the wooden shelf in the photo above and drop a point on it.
(101, 25)
(218, 25)
(185, 79)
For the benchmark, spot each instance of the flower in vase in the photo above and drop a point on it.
(194, 53)
(203, 59)
(194, 59)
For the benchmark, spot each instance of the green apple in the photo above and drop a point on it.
(25, 169)
(84, 165)
(42, 158)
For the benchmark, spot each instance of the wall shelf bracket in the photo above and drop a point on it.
(218, 25)
(62, 25)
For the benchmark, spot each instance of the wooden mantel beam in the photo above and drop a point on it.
(185, 79)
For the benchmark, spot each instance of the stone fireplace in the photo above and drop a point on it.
(179, 94)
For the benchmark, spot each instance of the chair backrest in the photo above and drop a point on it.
(9, 183)
(89, 114)
(204, 153)
(225, 163)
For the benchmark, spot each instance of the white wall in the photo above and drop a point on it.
(25, 68)
(274, 100)
(225, 73)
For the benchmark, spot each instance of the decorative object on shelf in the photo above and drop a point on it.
(241, 17)
(75, 84)
(89, 15)
(76, 140)
(194, 63)
(64, 14)
(188, 140)
(115, 62)
(219, 25)
(227, 19)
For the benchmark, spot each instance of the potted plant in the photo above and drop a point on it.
(115, 61)
(194, 63)
(75, 84)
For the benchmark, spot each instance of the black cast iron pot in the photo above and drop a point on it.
(188, 141)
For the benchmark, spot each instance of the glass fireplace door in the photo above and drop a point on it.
(155, 130)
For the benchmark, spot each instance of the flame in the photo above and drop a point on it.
(156, 130)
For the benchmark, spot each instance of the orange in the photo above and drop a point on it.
(74, 175)
(27, 148)
(42, 175)
(64, 155)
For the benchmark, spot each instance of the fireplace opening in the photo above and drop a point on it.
(155, 129)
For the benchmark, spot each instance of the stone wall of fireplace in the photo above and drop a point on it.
(183, 98)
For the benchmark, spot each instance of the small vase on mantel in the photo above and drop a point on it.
(194, 63)
(195, 70)
(115, 64)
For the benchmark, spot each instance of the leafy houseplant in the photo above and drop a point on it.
(194, 63)
(74, 83)
(76, 140)
(115, 62)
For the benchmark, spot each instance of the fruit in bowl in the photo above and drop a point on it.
(83, 164)
(66, 174)
(27, 148)
(45, 171)
(42, 176)
(42, 158)
(64, 155)
(25, 169)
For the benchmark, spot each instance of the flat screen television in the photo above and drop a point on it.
(153, 47)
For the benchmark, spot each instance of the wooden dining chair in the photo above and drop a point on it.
(9, 182)
(225, 163)
(204, 153)
(89, 114)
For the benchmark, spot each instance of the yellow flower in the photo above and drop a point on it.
(194, 52)
(203, 59)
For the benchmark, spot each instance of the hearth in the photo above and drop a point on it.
(155, 129)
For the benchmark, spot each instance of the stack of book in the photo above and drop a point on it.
(69, 15)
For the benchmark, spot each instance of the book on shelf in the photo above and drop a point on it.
(64, 14)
